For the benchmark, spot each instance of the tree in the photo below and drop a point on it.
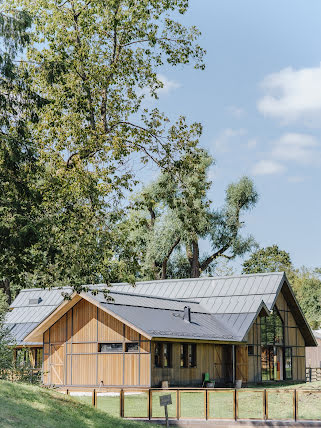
(19, 197)
(93, 63)
(268, 259)
(306, 284)
(175, 213)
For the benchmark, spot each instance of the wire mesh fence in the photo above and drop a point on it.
(205, 403)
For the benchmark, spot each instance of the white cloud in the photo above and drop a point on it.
(299, 148)
(292, 95)
(168, 85)
(268, 167)
(222, 143)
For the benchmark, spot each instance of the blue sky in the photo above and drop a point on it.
(259, 101)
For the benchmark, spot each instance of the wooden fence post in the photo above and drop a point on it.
(295, 408)
(121, 408)
(235, 404)
(150, 404)
(178, 407)
(94, 398)
(206, 404)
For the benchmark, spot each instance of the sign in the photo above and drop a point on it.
(165, 400)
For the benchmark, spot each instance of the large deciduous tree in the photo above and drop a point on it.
(93, 62)
(171, 216)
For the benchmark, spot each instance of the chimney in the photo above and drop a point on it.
(187, 314)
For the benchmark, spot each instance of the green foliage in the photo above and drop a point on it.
(73, 124)
(173, 213)
(269, 259)
(307, 287)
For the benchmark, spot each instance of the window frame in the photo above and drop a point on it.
(136, 351)
(164, 353)
(113, 351)
(188, 355)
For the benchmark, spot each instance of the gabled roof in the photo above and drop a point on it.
(223, 308)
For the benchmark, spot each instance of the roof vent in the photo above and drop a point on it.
(35, 301)
(187, 314)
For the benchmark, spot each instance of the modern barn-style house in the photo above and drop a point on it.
(247, 328)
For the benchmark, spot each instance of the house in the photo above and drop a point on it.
(313, 355)
(247, 327)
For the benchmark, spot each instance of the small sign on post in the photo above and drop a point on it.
(165, 400)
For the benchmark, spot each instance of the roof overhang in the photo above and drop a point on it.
(36, 335)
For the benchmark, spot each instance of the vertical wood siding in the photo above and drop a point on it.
(72, 357)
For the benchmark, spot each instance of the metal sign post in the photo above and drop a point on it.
(164, 401)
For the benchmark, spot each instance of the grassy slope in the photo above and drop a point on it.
(31, 406)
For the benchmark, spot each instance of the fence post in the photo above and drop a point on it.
(67, 391)
(265, 405)
(310, 374)
(94, 398)
(150, 404)
(206, 403)
(295, 408)
(235, 405)
(178, 407)
(121, 407)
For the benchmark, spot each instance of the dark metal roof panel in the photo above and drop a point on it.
(164, 323)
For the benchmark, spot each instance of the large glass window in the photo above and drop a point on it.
(38, 357)
(272, 330)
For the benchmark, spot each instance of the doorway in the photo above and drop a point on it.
(272, 363)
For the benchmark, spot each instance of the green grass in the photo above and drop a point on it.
(27, 406)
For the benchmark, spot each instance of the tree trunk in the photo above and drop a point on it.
(195, 265)
(5, 285)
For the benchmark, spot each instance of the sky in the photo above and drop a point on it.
(259, 100)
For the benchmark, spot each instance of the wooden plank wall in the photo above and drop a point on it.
(209, 359)
(71, 355)
(292, 338)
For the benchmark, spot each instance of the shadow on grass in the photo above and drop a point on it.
(31, 406)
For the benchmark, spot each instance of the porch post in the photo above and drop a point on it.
(233, 357)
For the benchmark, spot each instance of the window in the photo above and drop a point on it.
(22, 357)
(110, 347)
(250, 350)
(167, 357)
(163, 354)
(158, 350)
(38, 358)
(188, 355)
(131, 347)
(288, 363)
(272, 329)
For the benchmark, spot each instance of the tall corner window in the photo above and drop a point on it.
(188, 355)
(163, 354)
(110, 347)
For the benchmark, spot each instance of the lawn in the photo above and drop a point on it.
(27, 406)
(250, 403)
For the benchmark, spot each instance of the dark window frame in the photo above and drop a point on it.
(163, 353)
(112, 351)
(130, 344)
(188, 355)
(250, 350)
(288, 348)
